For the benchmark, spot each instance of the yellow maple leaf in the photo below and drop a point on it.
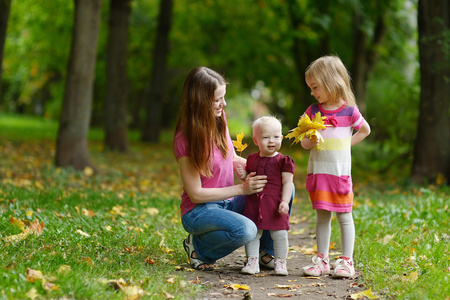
(308, 128)
(236, 287)
(36, 227)
(238, 143)
(367, 293)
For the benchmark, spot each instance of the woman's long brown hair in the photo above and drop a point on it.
(197, 121)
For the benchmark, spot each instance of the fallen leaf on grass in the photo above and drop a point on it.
(387, 238)
(88, 261)
(236, 287)
(16, 238)
(88, 213)
(152, 211)
(132, 292)
(170, 280)
(367, 293)
(150, 261)
(34, 275)
(33, 294)
(26, 227)
(82, 233)
(412, 277)
(64, 269)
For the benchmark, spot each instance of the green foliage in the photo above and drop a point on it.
(249, 42)
(36, 52)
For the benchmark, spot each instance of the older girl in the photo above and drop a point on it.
(329, 180)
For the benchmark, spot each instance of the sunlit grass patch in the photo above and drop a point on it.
(121, 224)
(403, 242)
(124, 223)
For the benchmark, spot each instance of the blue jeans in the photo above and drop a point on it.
(219, 228)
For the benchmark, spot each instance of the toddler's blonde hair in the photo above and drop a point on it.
(330, 73)
(264, 121)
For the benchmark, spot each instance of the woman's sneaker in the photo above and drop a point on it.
(280, 267)
(252, 266)
(270, 264)
(344, 268)
(320, 266)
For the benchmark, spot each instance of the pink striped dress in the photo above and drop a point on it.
(329, 179)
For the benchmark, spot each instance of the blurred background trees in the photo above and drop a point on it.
(261, 46)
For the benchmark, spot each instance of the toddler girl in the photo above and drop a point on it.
(269, 209)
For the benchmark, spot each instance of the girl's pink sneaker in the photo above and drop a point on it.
(320, 266)
(344, 268)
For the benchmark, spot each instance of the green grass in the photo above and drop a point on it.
(124, 223)
(403, 242)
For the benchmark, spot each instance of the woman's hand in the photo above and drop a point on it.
(254, 184)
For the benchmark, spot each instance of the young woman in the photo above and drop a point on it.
(211, 204)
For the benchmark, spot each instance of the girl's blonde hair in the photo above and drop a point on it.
(330, 73)
(264, 121)
(201, 128)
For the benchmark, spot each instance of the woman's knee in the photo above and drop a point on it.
(248, 232)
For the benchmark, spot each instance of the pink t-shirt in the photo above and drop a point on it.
(222, 169)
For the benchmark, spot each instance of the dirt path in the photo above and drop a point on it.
(265, 285)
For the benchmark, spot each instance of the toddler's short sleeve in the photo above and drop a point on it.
(288, 165)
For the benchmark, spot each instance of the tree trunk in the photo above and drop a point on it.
(154, 107)
(5, 7)
(365, 56)
(116, 131)
(432, 146)
(71, 145)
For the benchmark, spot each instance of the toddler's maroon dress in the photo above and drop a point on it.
(262, 208)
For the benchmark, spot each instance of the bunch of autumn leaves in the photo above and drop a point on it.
(305, 128)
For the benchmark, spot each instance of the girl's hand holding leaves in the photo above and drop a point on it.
(309, 129)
